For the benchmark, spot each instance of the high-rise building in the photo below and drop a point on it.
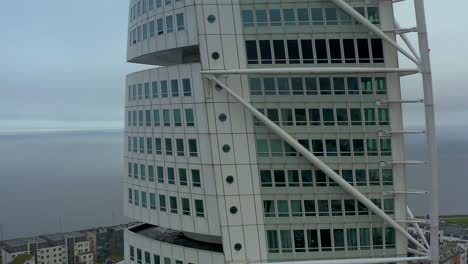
(212, 183)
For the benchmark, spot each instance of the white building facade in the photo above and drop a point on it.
(213, 184)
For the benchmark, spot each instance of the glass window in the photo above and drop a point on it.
(196, 178)
(145, 31)
(372, 147)
(307, 178)
(342, 116)
(286, 245)
(339, 85)
(293, 178)
(265, 178)
(373, 14)
(180, 147)
(199, 208)
(385, 147)
(175, 88)
(350, 207)
(364, 238)
(276, 147)
(317, 16)
(309, 207)
(158, 3)
(261, 17)
(186, 87)
(154, 87)
(317, 147)
(247, 18)
(287, 117)
(363, 50)
(325, 86)
(311, 86)
(361, 179)
(297, 87)
(349, 51)
(143, 200)
(389, 237)
(137, 197)
(269, 208)
(180, 21)
(389, 206)
(312, 240)
(262, 147)
(345, 147)
(369, 116)
(345, 19)
(293, 51)
(303, 16)
(283, 208)
(384, 118)
(251, 50)
(158, 146)
(358, 147)
(255, 86)
(185, 206)
(160, 25)
(166, 118)
(296, 208)
(356, 116)
(189, 117)
(325, 239)
(151, 173)
(275, 17)
(160, 171)
(288, 150)
(130, 196)
(353, 85)
(279, 51)
(167, 260)
(272, 241)
(335, 50)
(283, 86)
(169, 24)
(307, 52)
(265, 51)
(193, 149)
(183, 177)
(168, 145)
(280, 178)
(164, 92)
(148, 117)
(299, 240)
(323, 208)
(269, 86)
(147, 91)
(149, 145)
(139, 250)
(289, 17)
(331, 16)
(338, 239)
(377, 238)
(301, 119)
(336, 207)
(157, 258)
(387, 177)
(380, 84)
(331, 146)
(173, 204)
(177, 117)
(328, 116)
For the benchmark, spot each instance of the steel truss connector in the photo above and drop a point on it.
(386, 102)
(404, 162)
(407, 132)
(391, 193)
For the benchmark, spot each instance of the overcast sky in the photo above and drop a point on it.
(63, 62)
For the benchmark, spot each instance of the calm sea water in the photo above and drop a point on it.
(57, 181)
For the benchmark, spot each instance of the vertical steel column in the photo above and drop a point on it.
(425, 68)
